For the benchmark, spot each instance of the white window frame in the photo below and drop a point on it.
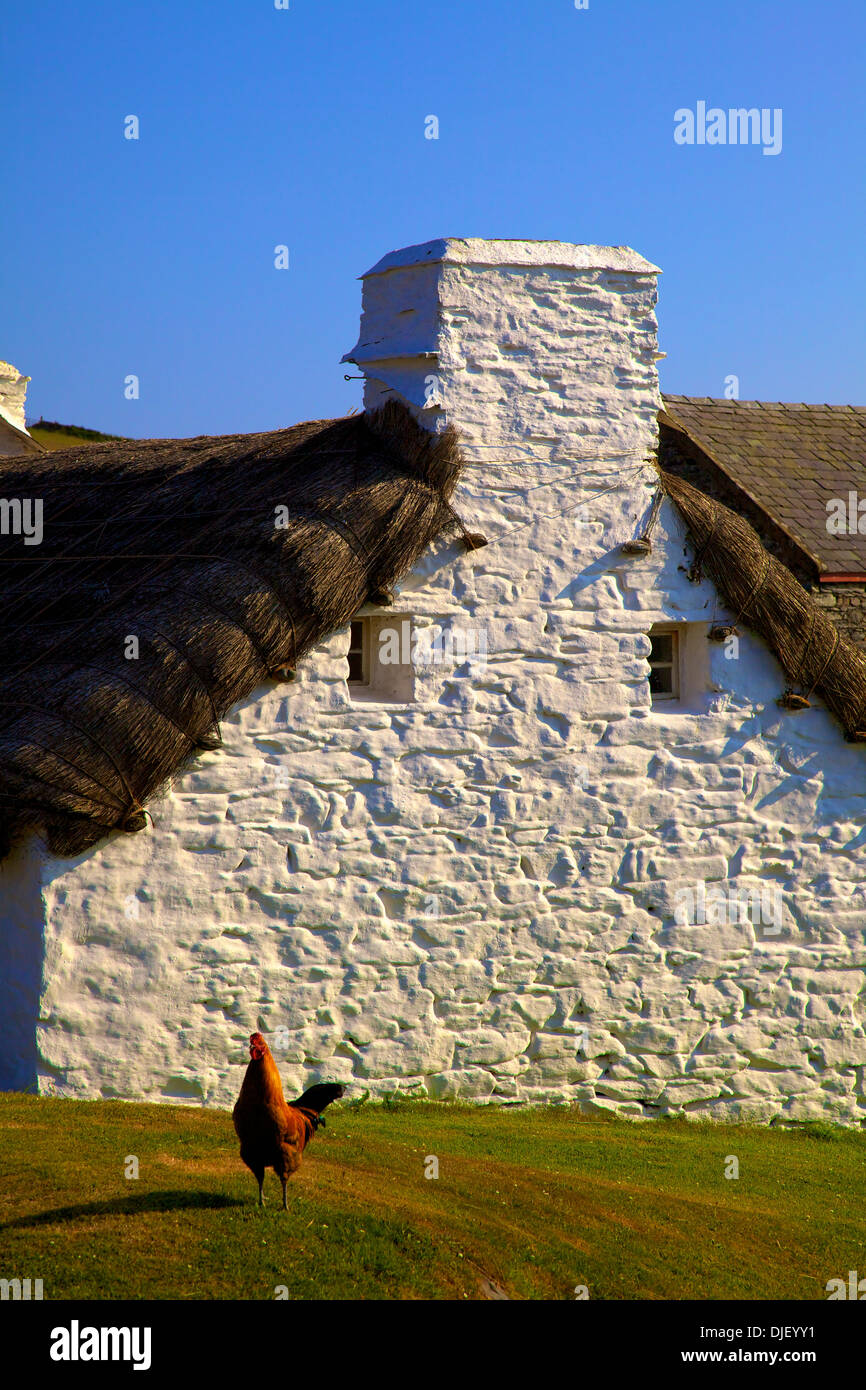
(381, 683)
(675, 632)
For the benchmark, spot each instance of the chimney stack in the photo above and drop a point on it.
(539, 352)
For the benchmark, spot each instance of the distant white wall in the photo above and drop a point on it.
(475, 891)
(14, 436)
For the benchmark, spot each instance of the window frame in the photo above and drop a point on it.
(385, 684)
(362, 649)
(674, 631)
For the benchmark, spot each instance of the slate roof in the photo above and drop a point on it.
(791, 460)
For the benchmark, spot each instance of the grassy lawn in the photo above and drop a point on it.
(529, 1203)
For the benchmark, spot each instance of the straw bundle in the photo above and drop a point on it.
(765, 595)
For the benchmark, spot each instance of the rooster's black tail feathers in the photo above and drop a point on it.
(318, 1097)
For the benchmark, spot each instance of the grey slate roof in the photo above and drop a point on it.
(790, 459)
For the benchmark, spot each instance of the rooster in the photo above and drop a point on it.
(272, 1133)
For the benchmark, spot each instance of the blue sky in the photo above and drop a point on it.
(305, 127)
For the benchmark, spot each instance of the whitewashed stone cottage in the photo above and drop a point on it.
(515, 829)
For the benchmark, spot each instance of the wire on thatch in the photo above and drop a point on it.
(180, 544)
(765, 595)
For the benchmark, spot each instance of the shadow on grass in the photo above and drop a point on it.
(128, 1206)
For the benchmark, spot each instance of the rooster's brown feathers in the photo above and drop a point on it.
(274, 1134)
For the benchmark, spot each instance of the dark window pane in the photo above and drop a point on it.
(357, 673)
(662, 646)
(660, 682)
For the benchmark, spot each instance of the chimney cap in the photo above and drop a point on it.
(478, 251)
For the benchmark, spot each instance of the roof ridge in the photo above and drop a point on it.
(767, 405)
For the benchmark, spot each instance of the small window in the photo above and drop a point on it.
(359, 666)
(381, 668)
(664, 660)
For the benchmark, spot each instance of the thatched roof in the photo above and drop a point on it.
(764, 595)
(184, 545)
(180, 544)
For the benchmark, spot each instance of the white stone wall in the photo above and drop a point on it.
(474, 892)
(14, 436)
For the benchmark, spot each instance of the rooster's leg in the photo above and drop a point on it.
(261, 1190)
(285, 1203)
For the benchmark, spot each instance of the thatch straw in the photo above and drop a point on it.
(178, 543)
(764, 595)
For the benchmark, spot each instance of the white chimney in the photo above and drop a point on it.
(540, 353)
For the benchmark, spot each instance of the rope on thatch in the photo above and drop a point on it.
(202, 683)
(761, 591)
(183, 536)
(642, 544)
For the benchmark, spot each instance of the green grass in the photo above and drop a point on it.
(53, 436)
(529, 1202)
